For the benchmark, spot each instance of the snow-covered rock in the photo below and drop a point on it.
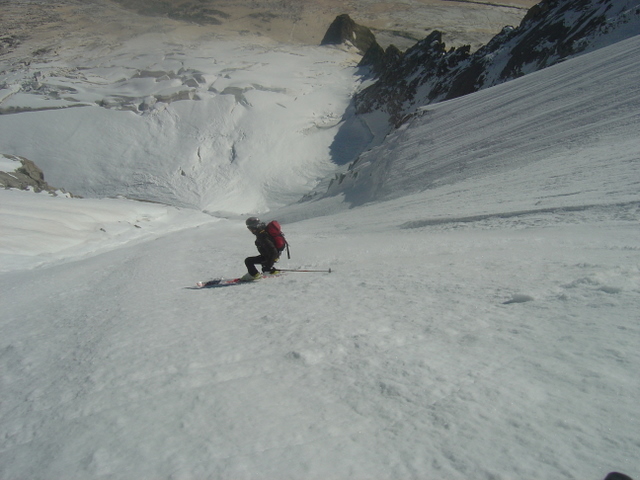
(551, 32)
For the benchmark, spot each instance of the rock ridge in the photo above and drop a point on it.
(551, 32)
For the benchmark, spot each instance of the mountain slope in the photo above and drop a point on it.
(484, 327)
(586, 107)
(231, 126)
(551, 32)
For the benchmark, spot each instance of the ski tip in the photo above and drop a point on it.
(329, 270)
(209, 283)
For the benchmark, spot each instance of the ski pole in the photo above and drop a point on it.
(302, 270)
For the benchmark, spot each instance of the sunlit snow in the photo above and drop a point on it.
(480, 321)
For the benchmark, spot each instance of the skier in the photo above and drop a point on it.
(269, 254)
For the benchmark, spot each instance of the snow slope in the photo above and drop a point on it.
(217, 125)
(547, 121)
(481, 320)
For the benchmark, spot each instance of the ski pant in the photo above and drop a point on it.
(251, 263)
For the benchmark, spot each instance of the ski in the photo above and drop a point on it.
(304, 270)
(218, 282)
(226, 282)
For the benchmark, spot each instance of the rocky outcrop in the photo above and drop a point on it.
(345, 30)
(551, 32)
(403, 77)
(24, 177)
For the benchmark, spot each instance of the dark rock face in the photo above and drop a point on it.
(344, 29)
(403, 77)
(551, 32)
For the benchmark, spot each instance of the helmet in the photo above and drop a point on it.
(253, 223)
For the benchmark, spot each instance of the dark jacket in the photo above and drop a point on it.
(267, 249)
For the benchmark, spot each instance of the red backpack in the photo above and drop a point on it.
(275, 231)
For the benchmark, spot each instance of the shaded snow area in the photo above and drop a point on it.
(481, 320)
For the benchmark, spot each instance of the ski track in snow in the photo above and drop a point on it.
(485, 327)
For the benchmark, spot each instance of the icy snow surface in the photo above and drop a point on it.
(481, 320)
